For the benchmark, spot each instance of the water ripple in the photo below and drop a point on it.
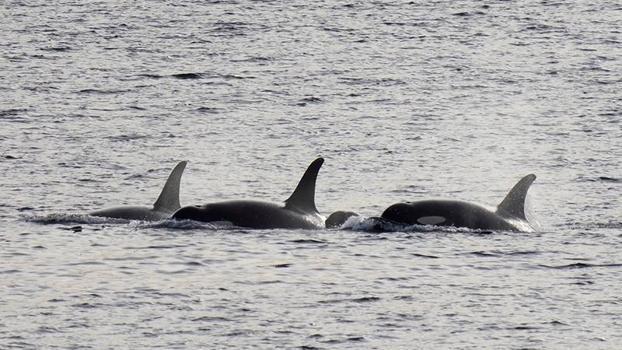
(580, 266)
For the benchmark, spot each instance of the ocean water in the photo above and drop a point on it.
(404, 99)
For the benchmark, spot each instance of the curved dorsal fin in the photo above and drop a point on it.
(303, 198)
(513, 204)
(169, 197)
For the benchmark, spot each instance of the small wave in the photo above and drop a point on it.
(190, 225)
(399, 24)
(82, 263)
(57, 48)
(612, 224)
(48, 329)
(230, 28)
(280, 266)
(366, 299)
(173, 272)
(254, 59)
(523, 327)
(208, 110)
(212, 319)
(579, 266)
(468, 14)
(88, 180)
(42, 57)
(378, 82)
(498, 253)
(355, 300)
(583, 283)
(127, 137)
(77, 228)
(311, 99)
(132, 258)
(483, 254)
(158, 246)
(187, 75)
(262, 282)
(600, 179)
(424, 256)
(544, 28)
(522, 252)
(609, 179)
(346, 340)
(308, 241)
(150, 76)
(86, 305)
(377, 225)
(308, 347)
(12, 112)
(102, 92)
(235, 77)
(197, 75)
(56, 218)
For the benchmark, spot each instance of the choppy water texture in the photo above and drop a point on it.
(405, 100)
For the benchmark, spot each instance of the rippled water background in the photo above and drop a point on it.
(405, 100)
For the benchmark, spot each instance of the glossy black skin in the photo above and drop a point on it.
(166, 204)
(456, 213)
(338, 218)
(251, 214)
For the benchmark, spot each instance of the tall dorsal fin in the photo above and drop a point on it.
(303, 198)
(168, 201)
(513, 204)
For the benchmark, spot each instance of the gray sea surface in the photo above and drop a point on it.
(405, 100)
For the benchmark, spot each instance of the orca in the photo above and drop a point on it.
(508, 216)
(166, 204)
(338, 218)
(298, 212)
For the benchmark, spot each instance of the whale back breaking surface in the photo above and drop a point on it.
(510, 214)
(251, 214)
(166, 204)
(513, 205)
(299, 210)
(303, 197)
(338, 218)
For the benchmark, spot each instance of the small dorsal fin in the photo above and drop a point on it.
(513, 204)
(303, 197)
(168, 201)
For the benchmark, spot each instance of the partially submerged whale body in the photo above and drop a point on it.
(166, 204)
(509, 215)
(338, 218)
(298, 212)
